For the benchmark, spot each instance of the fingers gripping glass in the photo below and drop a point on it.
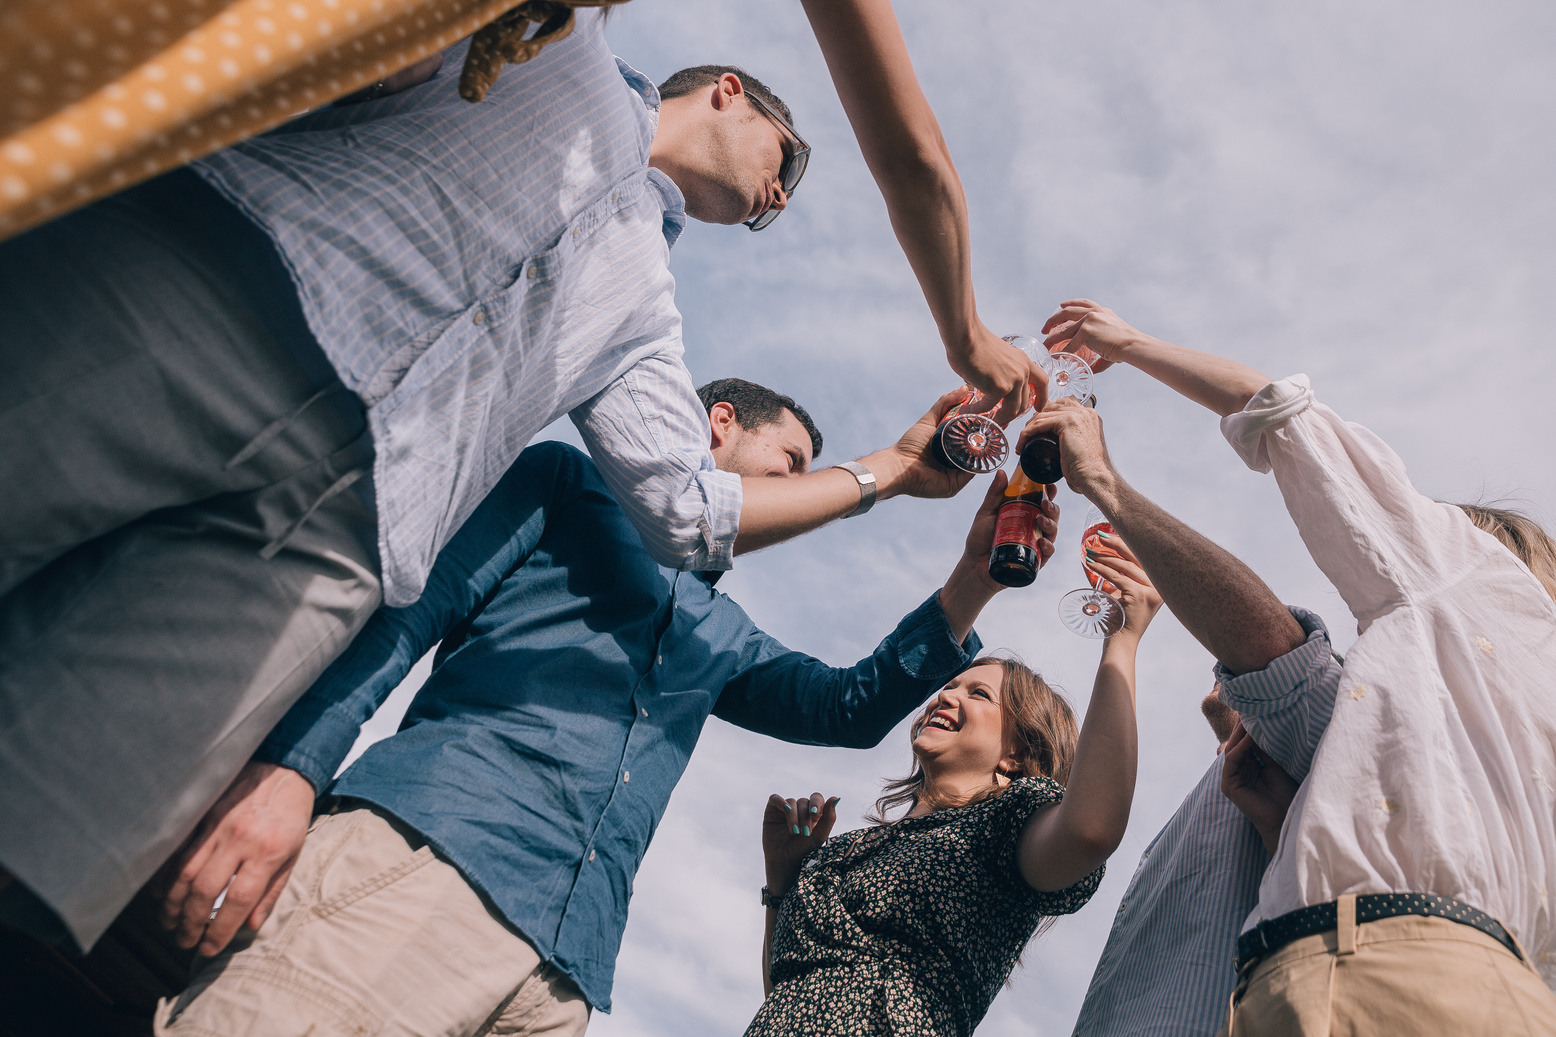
(1093, 611)
(796, 157)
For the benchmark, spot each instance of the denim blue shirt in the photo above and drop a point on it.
(1167, 969)
(574, 678)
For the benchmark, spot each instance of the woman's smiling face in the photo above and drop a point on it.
(963, 727)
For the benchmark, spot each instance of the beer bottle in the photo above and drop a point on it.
(1014, 559)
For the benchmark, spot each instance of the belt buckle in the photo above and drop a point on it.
(1259, 953)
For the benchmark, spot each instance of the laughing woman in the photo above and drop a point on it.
(910, 926)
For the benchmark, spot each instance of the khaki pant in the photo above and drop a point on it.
(1396, 977)
(375, 935)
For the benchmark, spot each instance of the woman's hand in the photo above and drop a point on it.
(1089, 330)
(792, 828)
(1110, 558)
(1256, 785)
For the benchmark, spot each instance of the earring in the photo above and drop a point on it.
(1001, 779)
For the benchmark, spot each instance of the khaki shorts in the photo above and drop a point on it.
(1395, 977)
(375, 935)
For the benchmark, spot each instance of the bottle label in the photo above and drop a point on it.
(1016, 524)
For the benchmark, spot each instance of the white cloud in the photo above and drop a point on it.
(1357, 191)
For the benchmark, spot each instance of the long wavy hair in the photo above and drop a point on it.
(1038, 723)
(1521, 535)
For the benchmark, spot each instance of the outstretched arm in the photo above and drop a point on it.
(1224, 386)
(907, 155)
(1218, 598)
(775, 510)
(1062, 844)
(796, 697)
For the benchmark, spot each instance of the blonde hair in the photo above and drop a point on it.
(1521, 535)
(1038, 723)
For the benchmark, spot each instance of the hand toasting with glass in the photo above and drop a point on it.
(973, 441)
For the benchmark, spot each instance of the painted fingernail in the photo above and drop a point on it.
(807, 829)
(794, 829)
(814, 809)
(1090, 553)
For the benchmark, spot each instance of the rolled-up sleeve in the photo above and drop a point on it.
(648, 434)
(1379, 540)
(1286, 706)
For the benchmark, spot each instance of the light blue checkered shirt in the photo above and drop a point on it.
(1167, 969)
(474, 271)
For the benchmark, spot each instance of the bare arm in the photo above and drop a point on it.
(1222, 385)
(1063, 844)
(1217, 598)
(907, 155)
(775, 510)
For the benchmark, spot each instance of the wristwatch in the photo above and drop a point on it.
(769, 899)
(866, 485)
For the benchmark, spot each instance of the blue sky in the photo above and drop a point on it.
(1357, 191)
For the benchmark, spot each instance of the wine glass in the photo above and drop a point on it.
(1068, 375)
(975, 442)
(1093, 611)
(972, 442)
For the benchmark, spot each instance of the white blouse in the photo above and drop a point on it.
(1437, 773)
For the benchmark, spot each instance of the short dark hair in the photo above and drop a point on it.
(756, 405)
(699, 76)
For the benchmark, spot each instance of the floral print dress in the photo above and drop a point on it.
(910, 928)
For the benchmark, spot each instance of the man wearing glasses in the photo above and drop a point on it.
(254, 398)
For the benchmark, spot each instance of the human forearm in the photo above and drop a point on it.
(905, 152)
(1216, 597)
(1222, 385)
(775, 510)
(767, 951)
(966, 592)
(1064, 844)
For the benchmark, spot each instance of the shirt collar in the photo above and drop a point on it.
(670, 197)
(640, 84)
(673, 203)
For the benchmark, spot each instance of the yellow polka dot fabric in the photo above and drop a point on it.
(98, 94)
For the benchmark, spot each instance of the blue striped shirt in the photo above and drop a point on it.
(474, 271)
(1167, 968)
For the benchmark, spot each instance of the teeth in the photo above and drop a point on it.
(941, 722)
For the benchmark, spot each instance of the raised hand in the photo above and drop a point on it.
(1110, 558)
(1007, 377)
(1083, 452)
(791, 829)
(1091, 331)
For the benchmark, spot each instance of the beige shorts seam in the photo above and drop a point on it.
(349, 1013)
(385, 878)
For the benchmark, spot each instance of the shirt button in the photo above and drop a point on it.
(478, 317)
(661, 660)
(591, 855)
(616, 199)
(644, 712)
(576, 231)
(626, 775)
(532, 271)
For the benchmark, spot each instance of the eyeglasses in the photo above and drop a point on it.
(794, 162)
